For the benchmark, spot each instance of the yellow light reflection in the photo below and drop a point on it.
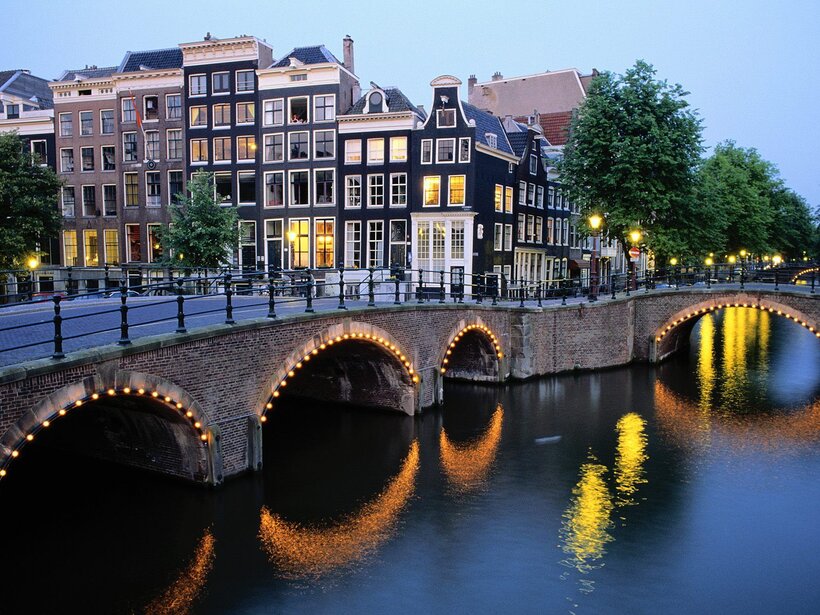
(467, 466)
(584, 531)
(180, 596)
(630, 457)
(300, 551)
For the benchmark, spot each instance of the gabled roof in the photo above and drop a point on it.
(556, 126)
(487, 123)
(5, 75)
(396, 102)
(91, 72)
(518, 141)
(23, 84)
(156, 59)
(315, 54)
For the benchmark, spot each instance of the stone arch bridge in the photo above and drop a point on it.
(192, 405)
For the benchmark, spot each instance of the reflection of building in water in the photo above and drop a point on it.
(468, 465)
(180, 596)
(630, 457)
(584, 532)
(682, 421)
(307, 551)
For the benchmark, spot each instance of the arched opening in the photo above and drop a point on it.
(806, 276)
(354, 368)
(674, 335)
(474, 353)
(137, 427)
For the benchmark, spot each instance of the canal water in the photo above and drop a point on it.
(689, 488)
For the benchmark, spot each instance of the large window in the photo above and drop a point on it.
(109, 161)
(222, 115)
(498, 237)
(151, 107)
(353, 245)
(446, 118)
(298, 146)
(152, 144)
(197, 85)
(498, 204)
(300, 247)
(464, 149)
(199, 150)
(112, 246)
(298, 110)
(398, 190)
(107, 121)
(70, 248)
(129, 112)
(223, 188)
(445, 150)
(244, 81)
(432, 189)
(539, 197)
(398, 149)
(375, 151)
(245, 113)
(550, 223)
(375, 243)
(221, 82)
(222, 149)
(508, 235)
(67, 129)
(457, 239)
(174, 144)
(522, 193)
(246, 148)
(275, 189)
(274, 112)
(300, 188)
(324, 144)
(198, 116)
(173, 106)
(353, 151)
(91, 248)
(131, 181)
(87, 155)
(324, 108)
(398, 243)
(89, 201)
(375, 190)
(175, 187)
(457, 190)
(324, 229)
(67, 160)
(522, 227)
(324, 186)
(426, 151)
(247, 187)
(531, 195)
(129, 147)
(153, 191)
(134, 243)
(353, 191)
(508, 199)
(154, 244)
(275, 147)
(68, 201)
(109, 200)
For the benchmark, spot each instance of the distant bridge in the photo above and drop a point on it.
(191, 404)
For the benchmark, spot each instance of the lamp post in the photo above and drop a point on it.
(291, 239)
(673, 263)
(709, 262)
(32, 263)
(732, 261)
(635, 237)
(595, 224)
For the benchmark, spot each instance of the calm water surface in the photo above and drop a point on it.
(690, 488)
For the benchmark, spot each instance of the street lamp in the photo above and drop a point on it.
(777, 259)
(709, 262)
(635, 237)
(594, 223)
(673, 263)
(32, 262)
(291, 238)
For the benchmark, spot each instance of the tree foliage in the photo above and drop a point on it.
(28, 202)
(633, 148)
(202, 232)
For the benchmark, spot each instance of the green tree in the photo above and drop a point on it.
(202, 232)
(793, 225)
(28, 203)
(633, 148)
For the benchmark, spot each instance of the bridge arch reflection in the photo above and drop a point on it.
(468, 465)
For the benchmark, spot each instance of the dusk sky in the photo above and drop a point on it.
(749, 64)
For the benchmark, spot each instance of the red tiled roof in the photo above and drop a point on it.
(554, 125)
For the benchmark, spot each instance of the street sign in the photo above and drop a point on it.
(634, 252)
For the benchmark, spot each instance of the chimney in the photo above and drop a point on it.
(497, 76)
(347, 47)
(471, 84)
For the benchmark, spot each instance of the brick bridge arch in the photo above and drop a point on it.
(473, 351)
(672, 328)
(192, 439)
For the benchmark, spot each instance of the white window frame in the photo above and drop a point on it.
(423, 192)
(271, 135)
(291, 192)
(168, 140)
(316, 134)
(349, 250)
(239, 200)
(245, 103)
(379, 262)
(399, 139)
(113, 121)
(265, 204)
(498, 237)
(80, 116)
(168, 107)
(446, 113)
(451, 140)
(159, 183)
(272, 111)
(372, 149)
(508, 235)
(252, 150)
(347, 188)
(469, 147)
(290, 110)
(213, 78)
(236, 81)
(316, 97)
(426, 143)
(73, 160)
(449, 191)
(371, 184)
(316, 183)
(197, 77)
(348, 142)
(392, 192)
(290, 146)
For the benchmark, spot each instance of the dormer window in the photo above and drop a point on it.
(375, 101)
(445, 118)
(492, 139)
(299, 77)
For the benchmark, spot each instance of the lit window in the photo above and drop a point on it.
(353, 151)
(456, 190)
(245, 113)
(375, 151)
(398, 149)
(246, 148)
(432, 188)
(498, 205)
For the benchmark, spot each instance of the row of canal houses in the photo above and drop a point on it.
(321, 174)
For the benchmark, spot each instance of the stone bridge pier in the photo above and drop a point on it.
(194, 405)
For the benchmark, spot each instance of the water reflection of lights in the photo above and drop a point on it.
(468, 465)
(585, 530)
(630, 457)
(300, 551)
(680, 420)
(180, 596)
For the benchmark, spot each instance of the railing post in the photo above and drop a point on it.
(123, 341)
(776, 280)
(478, 297)
(441, 287)
(612, 282)
(228, 304)
(523, 292)
(742, 275)
(812, 280)
(396, 300)
(628, 280)
(371, 296)
(180, 308)
(538, 292)
(68, 284)
(107, 279)
(342, 305)
(58, 329)
(309, 295)
(563, 292)
(271, 294)
(708, 277)
(420, 298)
(497, 289)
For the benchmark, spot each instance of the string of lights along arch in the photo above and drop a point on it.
(804, 272)
(126, 391)
(699, 312)
(294, 369)
(461, 334)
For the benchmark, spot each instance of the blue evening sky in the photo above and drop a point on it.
(749, 64)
